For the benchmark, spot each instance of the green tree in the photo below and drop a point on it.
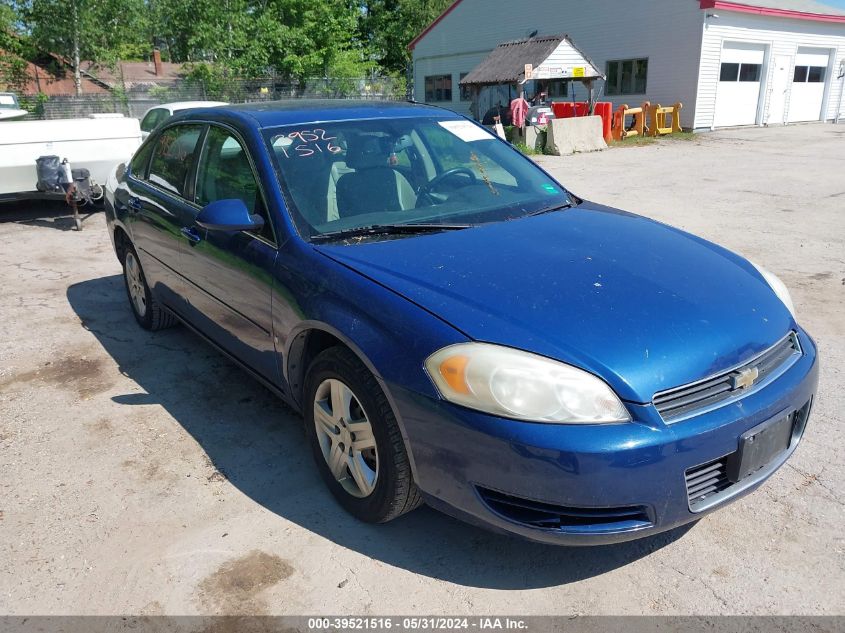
(388, 26)
(13, 68)
(100, 30)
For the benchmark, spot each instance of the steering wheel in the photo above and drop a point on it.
(425, 189)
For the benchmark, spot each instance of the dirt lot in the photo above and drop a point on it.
(145, 474)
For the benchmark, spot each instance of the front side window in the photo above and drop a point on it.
(225, 173)
(342, 176)
(626, 77)
(173, 158)
(438, 88)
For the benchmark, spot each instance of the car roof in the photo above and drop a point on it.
(184, 105)
(293, 111)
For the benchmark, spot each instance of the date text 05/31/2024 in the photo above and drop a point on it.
(417, 623)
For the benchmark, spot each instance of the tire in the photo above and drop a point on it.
(393, 491)
(148, 312)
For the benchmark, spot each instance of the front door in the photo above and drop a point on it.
(779, 90)
(229, 274)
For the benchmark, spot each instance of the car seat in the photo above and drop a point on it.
(374, 186)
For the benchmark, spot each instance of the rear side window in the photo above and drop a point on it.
(154, 118)
(173, 158)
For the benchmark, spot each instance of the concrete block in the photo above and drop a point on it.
(577, 134)
(527, 136)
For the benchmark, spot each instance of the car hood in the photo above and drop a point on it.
(641, 304)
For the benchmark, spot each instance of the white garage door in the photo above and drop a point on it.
(738, 93)
(805, 100)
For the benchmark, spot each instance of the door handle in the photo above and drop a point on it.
(134, 203)
(191, 233)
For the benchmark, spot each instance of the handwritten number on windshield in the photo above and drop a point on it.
(311, 142)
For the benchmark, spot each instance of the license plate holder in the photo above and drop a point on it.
(760, 445)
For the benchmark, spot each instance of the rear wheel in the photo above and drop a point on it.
(148, 312)
(356, 440)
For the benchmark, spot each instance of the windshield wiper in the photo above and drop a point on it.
(554, 207)
(386, 229)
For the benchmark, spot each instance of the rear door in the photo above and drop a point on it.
(159, 204)
(229, 274)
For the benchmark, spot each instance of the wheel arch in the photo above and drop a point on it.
(306, 342)
(121, 242)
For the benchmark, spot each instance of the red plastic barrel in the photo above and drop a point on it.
(604, 109)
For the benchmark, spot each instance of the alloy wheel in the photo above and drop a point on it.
(135, 284)
(346, 438)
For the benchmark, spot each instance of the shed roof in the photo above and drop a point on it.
(506, 63)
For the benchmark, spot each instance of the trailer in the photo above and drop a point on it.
(96, 143)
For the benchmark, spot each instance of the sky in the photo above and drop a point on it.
(835, 3)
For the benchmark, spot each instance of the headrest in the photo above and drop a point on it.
(367, 152)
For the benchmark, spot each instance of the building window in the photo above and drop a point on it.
(731, 71)
(749, 72)
(466, 91)
(438, 88)
(809, 74)
(626, 77)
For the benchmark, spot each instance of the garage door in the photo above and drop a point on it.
(738, 92)
(808, 82)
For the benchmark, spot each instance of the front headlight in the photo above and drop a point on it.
(514, 384)
(778, 287)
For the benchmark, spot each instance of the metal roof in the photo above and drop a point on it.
(803, 6)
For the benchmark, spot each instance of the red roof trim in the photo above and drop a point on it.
(451, 8)
(780, 13)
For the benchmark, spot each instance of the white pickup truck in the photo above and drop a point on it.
(96, 143)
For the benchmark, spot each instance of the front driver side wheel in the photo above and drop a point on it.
(356, 440)
(148, 312)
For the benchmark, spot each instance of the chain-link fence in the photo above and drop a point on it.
(136, 100)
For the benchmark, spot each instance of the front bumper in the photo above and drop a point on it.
(462, 459)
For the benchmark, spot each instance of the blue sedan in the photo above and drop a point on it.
(456, 327)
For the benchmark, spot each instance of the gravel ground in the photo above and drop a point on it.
(144, 474)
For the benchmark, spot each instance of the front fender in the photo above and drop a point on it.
(390, 335)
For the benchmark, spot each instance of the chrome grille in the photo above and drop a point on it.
(681, 402)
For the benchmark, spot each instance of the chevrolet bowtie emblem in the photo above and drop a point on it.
(744, 378)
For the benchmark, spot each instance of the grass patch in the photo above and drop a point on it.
(528, 151)
(636, 141)
(639, 141)
(682, 136)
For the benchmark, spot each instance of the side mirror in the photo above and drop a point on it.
(228, 215)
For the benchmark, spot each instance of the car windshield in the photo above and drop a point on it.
(8, 101)
(346, 175)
